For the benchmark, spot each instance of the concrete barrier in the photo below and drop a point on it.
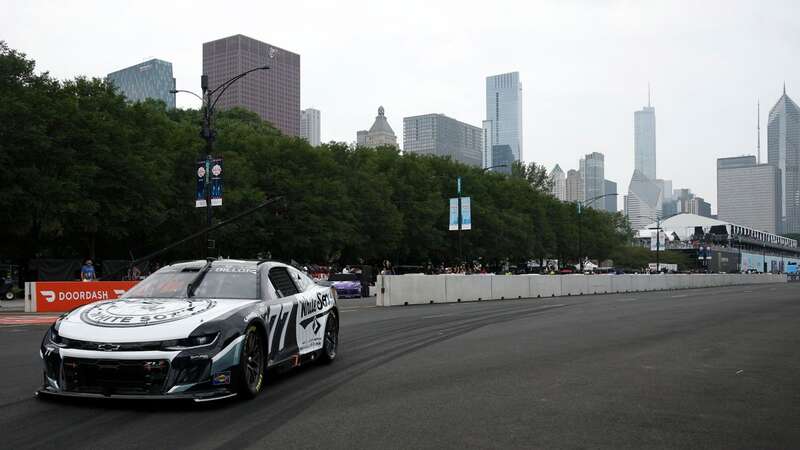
(467, 288)
(395, 290)
(574, 284)
(510, 286)
(545, 286)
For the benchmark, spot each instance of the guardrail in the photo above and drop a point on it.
(394, 290)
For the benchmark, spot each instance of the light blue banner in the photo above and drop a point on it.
(466, 213)
(453, 214)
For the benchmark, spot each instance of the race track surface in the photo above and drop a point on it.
(710, 368)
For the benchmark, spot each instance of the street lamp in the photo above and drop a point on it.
(209, 100)
(580, 229)
(493, 167)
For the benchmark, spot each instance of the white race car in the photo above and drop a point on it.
(201, 330)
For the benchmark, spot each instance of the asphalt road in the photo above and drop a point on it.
(708, 368)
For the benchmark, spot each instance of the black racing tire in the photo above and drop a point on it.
(252, 362)
(9, 295)
(330, 340)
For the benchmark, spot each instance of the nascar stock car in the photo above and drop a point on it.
(201, 330)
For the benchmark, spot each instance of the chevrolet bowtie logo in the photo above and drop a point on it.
(108, 347)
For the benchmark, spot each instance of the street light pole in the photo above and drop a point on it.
(209, 101)
(580, 227)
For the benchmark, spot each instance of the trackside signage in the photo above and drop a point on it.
(60, 296)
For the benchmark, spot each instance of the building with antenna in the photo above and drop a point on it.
(783, 152)
(644, 139)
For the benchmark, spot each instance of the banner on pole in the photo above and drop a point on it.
(466, 214)
(453, 214)
(200, 191)
(216, 182)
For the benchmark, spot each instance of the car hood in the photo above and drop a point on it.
(144, 320)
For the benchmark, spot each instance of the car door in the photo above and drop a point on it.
(282, 314)
(315, 303)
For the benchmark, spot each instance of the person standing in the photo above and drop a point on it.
(87, 271)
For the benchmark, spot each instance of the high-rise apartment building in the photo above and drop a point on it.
(379, 134)
(575, 192)
(504, 112)
(644, 140)
(437, 134)
(593, 171)
(688, 203)
(310, 121)
(748, 193)
(610, 202)
(783, 152)
(273, 94)
(558, 183)
(643, 202)
(150, 79)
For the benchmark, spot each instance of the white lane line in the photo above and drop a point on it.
(358, 308)
(627, 299)
(437, 315)
(679, 296)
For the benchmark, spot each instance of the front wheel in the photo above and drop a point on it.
(331, 339)
(9, 295)
(251, 364)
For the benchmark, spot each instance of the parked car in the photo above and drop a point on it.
(347, 285)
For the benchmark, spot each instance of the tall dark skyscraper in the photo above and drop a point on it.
(272, 94)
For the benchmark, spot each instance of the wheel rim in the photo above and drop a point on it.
(331, 336)
(253, 361)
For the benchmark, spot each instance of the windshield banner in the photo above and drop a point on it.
(62, 296)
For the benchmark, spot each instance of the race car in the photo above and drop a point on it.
(201, 330)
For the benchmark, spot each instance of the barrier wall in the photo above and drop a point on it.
(395, 290)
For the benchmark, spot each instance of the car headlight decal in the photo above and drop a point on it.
(204, 340)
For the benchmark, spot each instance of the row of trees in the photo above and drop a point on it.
(86, 174)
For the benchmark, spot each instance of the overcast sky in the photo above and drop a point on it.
(584, 65)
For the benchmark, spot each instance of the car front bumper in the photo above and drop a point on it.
(140, 375)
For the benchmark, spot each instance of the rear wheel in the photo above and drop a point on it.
(9, 295)
(251, 363)
(330, 343)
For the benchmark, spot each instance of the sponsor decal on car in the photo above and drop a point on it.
(136, 313)
(221, 378)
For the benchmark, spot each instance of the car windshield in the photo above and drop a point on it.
(219, 282)
(344, 277)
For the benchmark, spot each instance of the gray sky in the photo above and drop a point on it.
(584, 65)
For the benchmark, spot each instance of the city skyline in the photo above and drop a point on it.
(700, 67)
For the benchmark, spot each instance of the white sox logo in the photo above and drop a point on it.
(136, 313)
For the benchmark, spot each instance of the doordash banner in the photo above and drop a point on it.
(61, 296)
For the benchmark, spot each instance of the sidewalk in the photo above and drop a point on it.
(12, 306)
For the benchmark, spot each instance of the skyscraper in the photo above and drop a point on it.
(644, 140)
(273, 94)
(379, 134)
(783, 152)
(593, 172)
(574, 186)
(150, 79)
(643, 202)
(310, 121)
(437, 134)
(504, 112)
(610, 202)
(558, 181)
(748, 193)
